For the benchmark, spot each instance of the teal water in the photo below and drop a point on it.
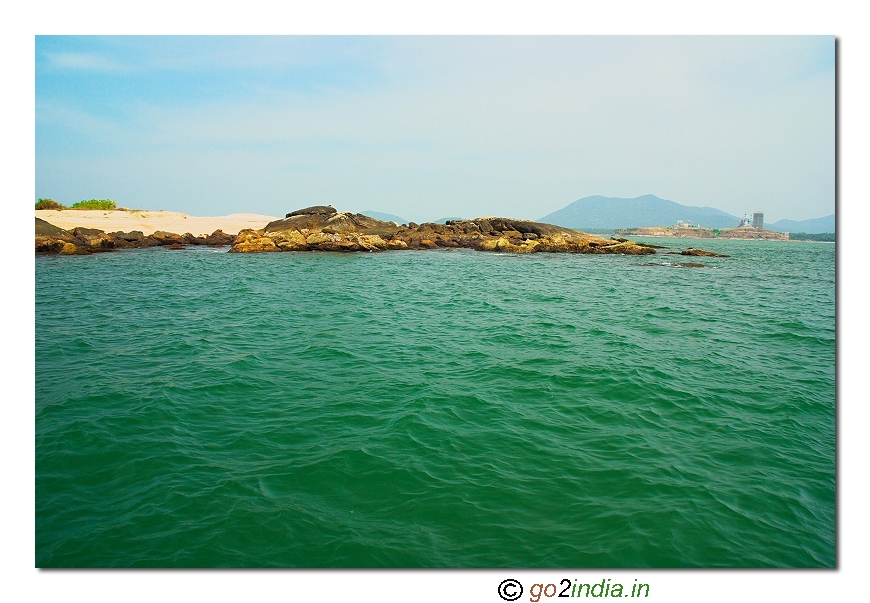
(436, 409)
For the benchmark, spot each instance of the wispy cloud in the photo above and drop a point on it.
(84, 61)
(454, 126)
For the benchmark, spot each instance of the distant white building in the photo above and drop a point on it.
(757, 221)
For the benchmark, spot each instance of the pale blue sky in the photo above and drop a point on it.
(425, 127)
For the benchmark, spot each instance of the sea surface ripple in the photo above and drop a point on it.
(436, 409)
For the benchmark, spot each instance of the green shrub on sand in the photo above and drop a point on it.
(49, 204)
(105, 204)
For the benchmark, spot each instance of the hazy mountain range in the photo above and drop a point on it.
(378, 215)
(816, 225)
(598, 212)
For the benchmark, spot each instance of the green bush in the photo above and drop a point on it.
(95, 204)
(49, 204)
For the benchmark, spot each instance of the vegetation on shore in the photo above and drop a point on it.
(105, 204)
(100, 204)
(810, 236)
(49, 204)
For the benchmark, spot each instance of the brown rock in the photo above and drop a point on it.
(95, 239)
(396, 244)
(627, 248)
(130, 237)
(189, 239)
(701, 252)
(372, 242)
(149, 241)
(219, 238)
(290, 241)
(334, 223)
(45, 229)
(324, 229)
(50, 244)
(248, 241)
(167, 238)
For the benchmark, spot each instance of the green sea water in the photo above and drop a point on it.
(436, 409)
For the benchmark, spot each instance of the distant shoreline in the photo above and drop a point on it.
(696, 232)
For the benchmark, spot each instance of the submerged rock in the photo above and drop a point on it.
(701, 252)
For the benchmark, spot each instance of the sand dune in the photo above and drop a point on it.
(151, 221)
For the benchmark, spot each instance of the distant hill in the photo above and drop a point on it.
(444, 220)
(816, 225)
(647, 210)
(377, 215)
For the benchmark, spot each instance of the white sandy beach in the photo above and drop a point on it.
(151, 221)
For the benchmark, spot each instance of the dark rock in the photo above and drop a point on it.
(50, 244)
(701, 252)
(483, 224)
(51, 239)
(70, 249)
(189, 239)
(333, 223)
(218, 238)
(95, 239)
(314, 210)
(149, 241)
(45, 229)
(167, 238)
(132, 236)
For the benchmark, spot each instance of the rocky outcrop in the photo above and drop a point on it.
(219, 238)
(315, 210)
(94, 239)
(322, 228)
(702, 253)
(51, 239)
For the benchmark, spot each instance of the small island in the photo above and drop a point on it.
(323, 228)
